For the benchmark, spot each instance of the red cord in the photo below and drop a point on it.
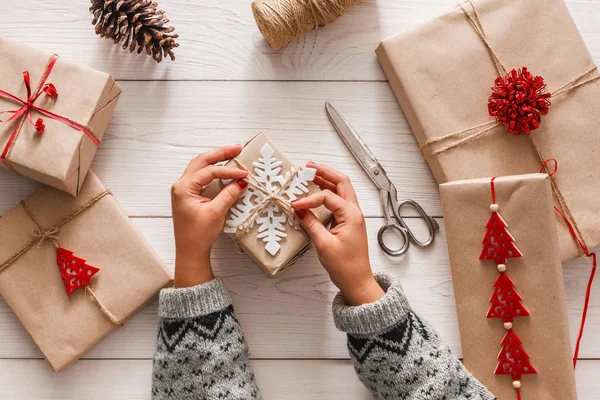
(545, 164)
(588, 291)
(493, 190)
(518, 394)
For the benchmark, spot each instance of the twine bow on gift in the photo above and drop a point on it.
(41, 235)
(270, 197)
(27, 106)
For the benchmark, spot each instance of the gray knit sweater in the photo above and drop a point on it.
(201, 353)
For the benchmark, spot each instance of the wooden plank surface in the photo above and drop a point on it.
(160, 126)
(220, 41)
(290, 317)
(226, 86)
(277, 379)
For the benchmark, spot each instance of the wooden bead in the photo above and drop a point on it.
(508, 325)
(501, 267)
(517, 384)
(494, 207)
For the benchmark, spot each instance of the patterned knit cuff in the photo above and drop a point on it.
(376, 317)
(194, 301)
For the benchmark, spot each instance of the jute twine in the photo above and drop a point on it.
(281, 21)
(270, 197)
(40, 235)
(584, 78)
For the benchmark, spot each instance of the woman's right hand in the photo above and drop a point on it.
(343, 250)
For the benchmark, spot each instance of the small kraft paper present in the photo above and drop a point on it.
(262, 222)
(508, 285)
(74, 269)
(497, 87)
(54, 114)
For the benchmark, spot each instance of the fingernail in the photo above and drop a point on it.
(242, 184)
(301, 213)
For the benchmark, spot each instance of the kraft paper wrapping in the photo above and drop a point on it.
(526, 206)
(66, 327)
(296, 243)
(442, 75)
(61, 156)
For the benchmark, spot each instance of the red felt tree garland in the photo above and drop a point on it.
(498, 246)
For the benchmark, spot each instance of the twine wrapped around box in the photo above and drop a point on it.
(73, 279)
(123, 273)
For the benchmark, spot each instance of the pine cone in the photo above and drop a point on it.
(135, 23)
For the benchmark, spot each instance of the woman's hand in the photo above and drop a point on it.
(197, 220)
(343, 250)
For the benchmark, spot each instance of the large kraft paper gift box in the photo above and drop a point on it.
(273, 240)
(55, 139)
(442, 74)
(525, 204)
(97, 232)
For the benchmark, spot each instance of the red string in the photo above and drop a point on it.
(493, 190)
(545, 164)
(518, 394)
(588, 291)
(28, 106)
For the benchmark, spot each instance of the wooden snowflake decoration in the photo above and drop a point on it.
(271, 220)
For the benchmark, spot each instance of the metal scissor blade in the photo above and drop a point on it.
(358, 148)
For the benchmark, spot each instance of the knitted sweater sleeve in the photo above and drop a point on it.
(397, 355)
(201, 353)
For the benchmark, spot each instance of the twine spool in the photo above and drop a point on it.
(281, 21)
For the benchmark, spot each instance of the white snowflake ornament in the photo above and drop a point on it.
(273, 188)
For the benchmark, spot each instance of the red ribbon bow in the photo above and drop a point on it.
(27, 106)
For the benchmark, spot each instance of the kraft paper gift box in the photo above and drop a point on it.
(525, 204)
(273, 250)
(442, 74)
(96, 230)
(54, 141)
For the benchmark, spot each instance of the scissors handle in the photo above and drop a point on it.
(431, 223)
(399, 229)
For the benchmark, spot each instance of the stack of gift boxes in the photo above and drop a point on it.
(497, 89)
(69, 246)
(72, 266)
(492, 90)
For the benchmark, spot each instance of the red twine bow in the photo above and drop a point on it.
(27, 106)
(519, 100)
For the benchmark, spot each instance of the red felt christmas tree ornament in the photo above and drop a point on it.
(74, 271)
(519, 100)
(498, 243)
(513, 360)
(506, 302)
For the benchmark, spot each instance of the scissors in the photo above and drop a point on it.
(387, 190)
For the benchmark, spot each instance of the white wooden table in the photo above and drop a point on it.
(227, 85)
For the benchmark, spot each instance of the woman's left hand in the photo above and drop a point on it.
(198, 220)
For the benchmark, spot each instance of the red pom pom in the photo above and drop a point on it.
(519, 100)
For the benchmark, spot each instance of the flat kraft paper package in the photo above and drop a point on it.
(85, 99)
(295, 242)
(131, 273)
(525, 203)
(442, 74)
